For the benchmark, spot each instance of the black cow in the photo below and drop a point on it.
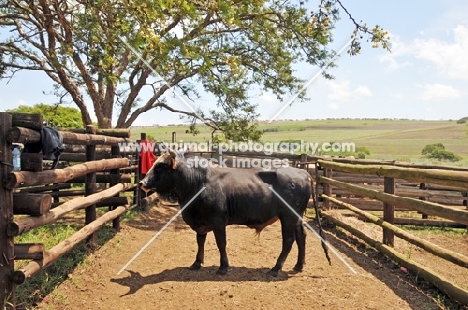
(234, 196)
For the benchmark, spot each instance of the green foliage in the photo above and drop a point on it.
(431, 148)
(444, 155)
(437, 151)
(115, 50)
(54, 115)
(462, 120)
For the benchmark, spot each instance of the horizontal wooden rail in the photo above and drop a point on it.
(26, 135)
(25, 224)
(113, 132)
(430, 247)
(90, 139)
(437, 176)
(440, 282)
(29, 251)
(27, 178)
(105, 178)
(431, 208)
(20, 275)
(355, 161)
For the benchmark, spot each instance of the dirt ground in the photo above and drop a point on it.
(159, 277)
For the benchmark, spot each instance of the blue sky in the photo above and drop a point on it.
(424, 77)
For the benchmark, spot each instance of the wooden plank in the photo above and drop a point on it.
(90, 139)
(112, 132)
(437, 176)
(440, 282)
(90, 188)
(80, 158)
(459, 216)
(105, 178)
(115, 151)
(150, 200)
(20, 275)
(456, 258)
(7, 289)
(27, 120)
(427, 222)
(25, 178)
(111, 201)
(388, 211)
(31, 162)
(25, 224)
(45, 188)
(31, 204)
(23, 135)
(29, 251)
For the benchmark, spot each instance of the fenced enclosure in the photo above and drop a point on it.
(376, 191)
(38, 195)
(389, 187)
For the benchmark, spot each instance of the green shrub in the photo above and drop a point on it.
(444, 155)
(431, 148)
(462, 120)
(437, 151)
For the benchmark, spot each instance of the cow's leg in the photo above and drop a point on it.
(287, 231)
(220, 236)
(301, 241)
(200, 253)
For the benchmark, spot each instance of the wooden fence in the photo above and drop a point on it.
(391, 187)
(356, 185)
(45, 195)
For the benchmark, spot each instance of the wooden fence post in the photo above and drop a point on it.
(138, 175)
(304, 164)
(423, 186)
(7, 288)
(90, 188)
(388, 211)
(115, 153)
(327, 189)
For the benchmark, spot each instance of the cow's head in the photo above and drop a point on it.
(161, 177)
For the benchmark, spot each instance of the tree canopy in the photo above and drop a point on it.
(54, 115)
(110, 52)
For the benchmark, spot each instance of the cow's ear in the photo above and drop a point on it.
(173, 163)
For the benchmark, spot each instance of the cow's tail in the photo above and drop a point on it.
(321, 233)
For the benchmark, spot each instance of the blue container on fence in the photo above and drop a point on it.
(16, 158)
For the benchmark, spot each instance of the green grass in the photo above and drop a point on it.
(386, 139)
(47, 280)
(401, 140)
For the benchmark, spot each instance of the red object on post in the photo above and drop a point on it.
(147, 156)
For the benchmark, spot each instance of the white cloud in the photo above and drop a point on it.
(448, 57)
(333, 106)
(399, 48)
(438, 92)
(268, 97)
(342, 91)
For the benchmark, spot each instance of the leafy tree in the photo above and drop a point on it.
(444, 155)
(437, 151)
(108, 52)
(54, 115)
(462, 120)
(431, 148)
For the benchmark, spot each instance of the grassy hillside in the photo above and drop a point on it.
(386, 139)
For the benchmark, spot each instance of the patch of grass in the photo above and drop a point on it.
(46, 281)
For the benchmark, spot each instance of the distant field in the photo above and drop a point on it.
(401, 140)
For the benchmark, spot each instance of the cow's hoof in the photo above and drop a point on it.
(273, 273)
(298, 268)
(195, 266)
(222, 271)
